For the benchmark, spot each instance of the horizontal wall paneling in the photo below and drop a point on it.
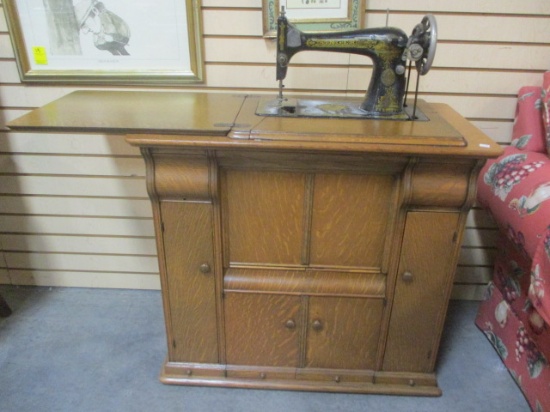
(74, 208)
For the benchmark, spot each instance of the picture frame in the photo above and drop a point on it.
(112, 42)
(316, 15)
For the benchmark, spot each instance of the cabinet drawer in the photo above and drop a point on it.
(306, 282)
(343, 332)
(262, 329)
(300, 331)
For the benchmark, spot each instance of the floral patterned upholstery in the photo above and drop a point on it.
(528, 133)
(545, 98)
(515, 188)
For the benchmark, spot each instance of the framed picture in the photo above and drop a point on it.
(139, 42)
(314, 15)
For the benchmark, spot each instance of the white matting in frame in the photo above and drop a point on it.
(314, 15)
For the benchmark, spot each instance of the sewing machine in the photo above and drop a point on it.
(389, 48)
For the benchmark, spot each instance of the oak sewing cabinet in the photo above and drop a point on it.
(312, 254)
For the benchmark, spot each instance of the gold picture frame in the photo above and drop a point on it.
(329, 15)
(107, 41)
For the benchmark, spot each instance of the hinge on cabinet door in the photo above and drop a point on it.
(162, 227)
(455, 237)
(174, 343)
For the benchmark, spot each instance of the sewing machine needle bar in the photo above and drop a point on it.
(281, 85)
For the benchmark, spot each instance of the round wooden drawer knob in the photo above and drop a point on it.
(317, 325)
(205, 268)
(407, 277)
(290, 324)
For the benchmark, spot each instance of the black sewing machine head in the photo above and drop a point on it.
(389, 48)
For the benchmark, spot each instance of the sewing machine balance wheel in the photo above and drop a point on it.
(429, 41)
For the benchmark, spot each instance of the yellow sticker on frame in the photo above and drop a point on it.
(39, 54)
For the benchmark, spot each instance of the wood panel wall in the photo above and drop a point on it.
(74, 210)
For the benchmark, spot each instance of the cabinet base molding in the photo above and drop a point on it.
(300, 379)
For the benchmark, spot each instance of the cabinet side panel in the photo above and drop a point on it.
(350, 219)
(423, 280)
(188, 244)
(264, 215)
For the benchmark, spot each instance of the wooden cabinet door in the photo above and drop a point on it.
(191, 293)
(424, 280)
(350, 222)
(263, 213)
(262, 329)
(343, 332)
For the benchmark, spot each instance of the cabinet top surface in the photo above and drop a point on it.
(229, 120)
(135, 112)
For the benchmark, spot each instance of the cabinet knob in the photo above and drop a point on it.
(407, 277)
(290, 324)
(205, 268)
(317, 325)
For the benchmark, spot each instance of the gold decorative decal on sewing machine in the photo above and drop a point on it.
(281, 38)
(338, 43)
(389, 48)
(379, 47)
(388, 103)
(388, 77)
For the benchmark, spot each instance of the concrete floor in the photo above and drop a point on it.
(69, 349)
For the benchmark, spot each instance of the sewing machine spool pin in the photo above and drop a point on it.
(388, 47)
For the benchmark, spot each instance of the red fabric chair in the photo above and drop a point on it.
(515, 188)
